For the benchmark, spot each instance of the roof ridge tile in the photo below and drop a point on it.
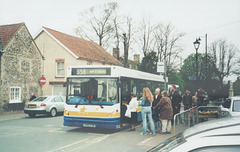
(84, 49)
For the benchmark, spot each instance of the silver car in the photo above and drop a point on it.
(45, 105)
(220, 135)
(231, 106)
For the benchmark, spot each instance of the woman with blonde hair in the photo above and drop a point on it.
(147, 100)
(166, 112)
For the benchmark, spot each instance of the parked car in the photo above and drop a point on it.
(45, 105)
(231, 106)
(219, 135)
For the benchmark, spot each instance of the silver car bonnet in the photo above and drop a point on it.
(200, 129)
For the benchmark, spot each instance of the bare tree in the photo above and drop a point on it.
(237, 68)
(166, 43)
(145, 38)
(96, 23)
(127, 35)
(223, 54)
(117, 35)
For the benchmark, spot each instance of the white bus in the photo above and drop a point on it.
(97, 95)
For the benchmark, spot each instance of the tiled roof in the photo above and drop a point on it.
(84, 49)
(7, 32)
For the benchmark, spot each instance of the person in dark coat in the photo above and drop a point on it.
(187, 100)
(156, 112)
(166, 112)
(156, 97)
(176, 100)
(200, 95)
(32, 97)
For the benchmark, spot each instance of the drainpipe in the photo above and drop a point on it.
(1, 52)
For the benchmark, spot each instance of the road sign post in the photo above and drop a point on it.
(162, 68)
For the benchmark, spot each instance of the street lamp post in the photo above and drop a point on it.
(196, 46)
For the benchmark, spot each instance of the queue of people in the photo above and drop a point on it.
(158, 110)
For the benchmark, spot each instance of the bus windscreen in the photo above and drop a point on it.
(92, 91)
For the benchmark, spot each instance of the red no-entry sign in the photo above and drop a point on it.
(43, 81)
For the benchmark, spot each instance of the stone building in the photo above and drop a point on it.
(20, 66)
(61, 50)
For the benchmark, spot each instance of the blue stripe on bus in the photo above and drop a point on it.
(110, 123)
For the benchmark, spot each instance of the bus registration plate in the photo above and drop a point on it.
(89, 125)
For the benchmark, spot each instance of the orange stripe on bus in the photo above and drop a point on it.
(91, 114)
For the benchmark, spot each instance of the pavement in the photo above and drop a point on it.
(12, 115)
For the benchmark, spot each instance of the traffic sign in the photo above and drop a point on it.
(43, 81)
(192, 78)
(160, 67)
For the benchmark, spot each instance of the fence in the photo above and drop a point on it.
(193, 116)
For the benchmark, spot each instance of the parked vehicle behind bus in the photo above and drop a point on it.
(45, 105)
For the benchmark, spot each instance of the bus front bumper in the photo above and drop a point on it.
(110, 123)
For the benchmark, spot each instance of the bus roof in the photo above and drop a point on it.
(116, 71)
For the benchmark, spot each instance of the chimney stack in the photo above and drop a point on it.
(115, 53)
(136, 58)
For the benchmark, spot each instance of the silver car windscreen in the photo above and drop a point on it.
(40, 99)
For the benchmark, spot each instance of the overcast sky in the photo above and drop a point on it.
(217, 18)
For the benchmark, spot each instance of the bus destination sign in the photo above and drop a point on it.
(91, 71)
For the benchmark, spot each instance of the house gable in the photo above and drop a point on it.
(20, 65)
(44, 30)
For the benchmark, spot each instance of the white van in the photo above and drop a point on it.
(231, 106)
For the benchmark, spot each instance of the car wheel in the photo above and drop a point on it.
(32, 115)
(53, 112)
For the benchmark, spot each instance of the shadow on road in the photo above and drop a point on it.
(98, 130)
(39, 116)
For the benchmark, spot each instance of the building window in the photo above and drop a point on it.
(15, 94)
(59, 90)
(60, 69)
